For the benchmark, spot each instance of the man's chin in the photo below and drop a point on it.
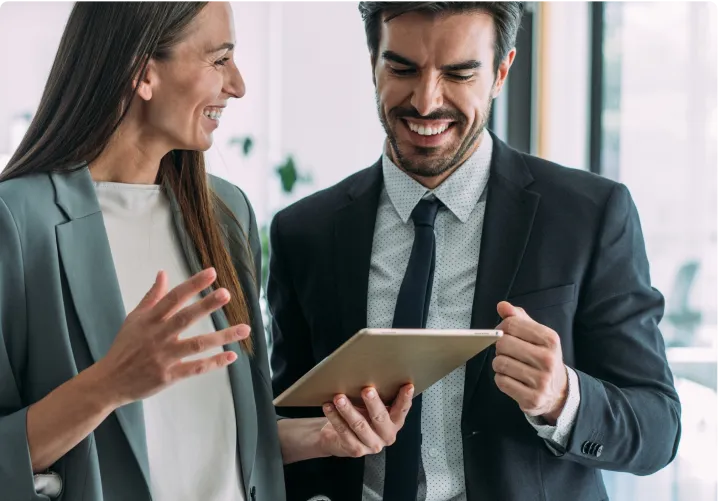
(425, 162)
(418, 166)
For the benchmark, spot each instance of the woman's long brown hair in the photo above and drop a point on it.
(104, 47)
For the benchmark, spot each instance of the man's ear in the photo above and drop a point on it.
(503, 72)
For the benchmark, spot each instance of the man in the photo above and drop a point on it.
(554, 256)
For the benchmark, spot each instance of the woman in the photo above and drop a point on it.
(173, 400)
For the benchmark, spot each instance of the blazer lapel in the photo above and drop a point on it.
(87, 262)
(353, 237)
(240, 373)
(510, 211)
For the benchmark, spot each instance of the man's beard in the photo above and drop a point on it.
(428, 164)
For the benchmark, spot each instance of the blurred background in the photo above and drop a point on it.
(623, 89)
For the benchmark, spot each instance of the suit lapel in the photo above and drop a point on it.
(240, 372)
(353, 237)
(510, 211)
(88, 265)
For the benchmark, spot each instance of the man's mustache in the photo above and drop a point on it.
(441, 114)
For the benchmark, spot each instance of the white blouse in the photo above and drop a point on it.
(191, 425)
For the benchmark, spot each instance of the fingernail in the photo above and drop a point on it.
(410, 392)
(211, 272)
(371, 393)
(328, 408)
(341, 402)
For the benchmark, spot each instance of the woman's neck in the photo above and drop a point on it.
(128, 158)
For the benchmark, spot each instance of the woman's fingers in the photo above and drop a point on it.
(379, 416)
(358, 424)
(199, 344)
(184, 370)
(187, 316)
(347, 438)
(401, 405)
(177, 297)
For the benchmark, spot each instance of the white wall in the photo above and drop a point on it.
(249, 115)
(329, 114)
(29, 35)
(567, 54)
(309, 94)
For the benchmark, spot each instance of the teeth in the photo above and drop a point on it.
(427, 131)
(214, 114)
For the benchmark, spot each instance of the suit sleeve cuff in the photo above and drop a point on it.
(556, 437)
(16, 477)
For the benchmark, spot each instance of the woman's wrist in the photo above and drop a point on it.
(301, 439)
(98, 383)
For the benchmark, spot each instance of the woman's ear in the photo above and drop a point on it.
(143, 83)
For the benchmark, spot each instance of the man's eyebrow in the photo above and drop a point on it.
(471, 64)
(393, 56)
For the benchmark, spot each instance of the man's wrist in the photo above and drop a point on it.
(552, 416)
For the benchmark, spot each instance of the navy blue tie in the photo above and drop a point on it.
(412, 307)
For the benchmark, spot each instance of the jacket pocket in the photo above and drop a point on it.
(545, 298)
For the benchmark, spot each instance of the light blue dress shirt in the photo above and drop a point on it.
(458, 230)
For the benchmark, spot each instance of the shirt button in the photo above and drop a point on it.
(433, 452)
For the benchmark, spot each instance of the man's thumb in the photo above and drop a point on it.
(506, 309)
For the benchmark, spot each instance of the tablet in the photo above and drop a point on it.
(386, 359)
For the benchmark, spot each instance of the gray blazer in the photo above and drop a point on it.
(60, 309)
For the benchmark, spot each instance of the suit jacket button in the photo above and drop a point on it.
(585, 447)
(599, 451)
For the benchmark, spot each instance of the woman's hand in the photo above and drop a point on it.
(147, 354)
(346, 431)
(145, 358)
(355, 432)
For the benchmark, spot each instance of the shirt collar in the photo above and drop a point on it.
(460, 192)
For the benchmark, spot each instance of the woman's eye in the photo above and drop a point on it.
(221, 62)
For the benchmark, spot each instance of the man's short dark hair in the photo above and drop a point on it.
(506, 15)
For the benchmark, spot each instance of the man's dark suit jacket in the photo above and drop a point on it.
(565, 245)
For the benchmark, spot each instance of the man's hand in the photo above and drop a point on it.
(356, 432)
(529, 364)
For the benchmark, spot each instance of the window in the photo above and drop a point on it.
(657, 126)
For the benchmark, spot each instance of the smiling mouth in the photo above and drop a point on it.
(429, 129)
(213, 113)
